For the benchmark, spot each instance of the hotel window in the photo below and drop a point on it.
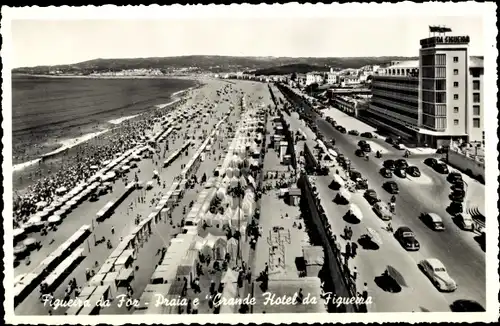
(440, 59)
(476, 73)
(440, 123)
(455, 96)
(476, 123)
(455, 71)
(475, 85)
(455, 59)
(440, 97)
(455, 109)
(455, 122)
(476, 110)
(440, 110)
(455, 84)
(440, 72)
(428, 72)
(440, 85)
(476, 97)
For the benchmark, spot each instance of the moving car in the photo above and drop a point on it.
(400, 146)
(406, 238)
(454, 177)
(430, 162)
(361, 143)
(434, 269)
(391, 187)
(383, 211)
(367, 148)
(413, 171)
(465, 221)
(441, 168)
(400, 173)
(401, 164)
(360, 153)
(433, 220)
(367, 135)
(389, 164)
(353, 132)
(371, 196)
(386, 173)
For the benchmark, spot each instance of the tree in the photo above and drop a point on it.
(293, 76)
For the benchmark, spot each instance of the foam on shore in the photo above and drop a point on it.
(120, 120)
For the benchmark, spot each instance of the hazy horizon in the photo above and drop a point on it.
(40, 40)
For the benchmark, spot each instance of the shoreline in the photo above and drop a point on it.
(68, 143)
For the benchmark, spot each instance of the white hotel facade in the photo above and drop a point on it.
(434, 99)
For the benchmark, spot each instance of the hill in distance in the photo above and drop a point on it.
(210, 63)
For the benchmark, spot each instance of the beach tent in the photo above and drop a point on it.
(54, 219)
(61, 190)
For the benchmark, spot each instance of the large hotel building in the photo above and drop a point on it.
(434, 99)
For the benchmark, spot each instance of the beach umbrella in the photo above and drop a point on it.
(43, 214)
(54, 219)
(397, 276)
(94, 167)
(35, 219)
(29, 242)
(41, 204)
(19, 249)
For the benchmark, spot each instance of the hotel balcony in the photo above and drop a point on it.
(394, 85)
(411, 98)
(399, 106)
(391, 115)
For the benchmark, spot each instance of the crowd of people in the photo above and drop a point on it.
(74, 166)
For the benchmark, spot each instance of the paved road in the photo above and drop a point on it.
(457, 249)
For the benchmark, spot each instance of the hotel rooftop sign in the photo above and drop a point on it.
(433, 41)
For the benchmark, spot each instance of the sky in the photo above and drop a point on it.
(51, 40)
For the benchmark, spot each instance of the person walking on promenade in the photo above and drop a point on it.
(348, 249)
(354, 248)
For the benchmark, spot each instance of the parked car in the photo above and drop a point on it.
(367, 148)
(433, 220)
(342, 130)
(389, 140)
(441, 168)
(353, 132)
(400, 173)
(466, 306)
(367, 135)
(406, 238)
(389, 164)
(457, 195)
(401, 164)
(413, 171)
(386, 173)
(454, 177)
(383, 211)
(431, 162)
(360, 153)
(455, 207)
(465, 221)
(459, 185)
(361, 143)
(391, 187)
(438, 275)
(371, 196)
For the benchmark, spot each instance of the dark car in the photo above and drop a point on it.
(406, 238)
(361, 143)
(401, 164)
(360, 153)
(391, 187)
(457, 195)
(455, 208)
(356, 175)
(386, 173)
(413, 171)
(367, 135)
(389, 164)
(342, 130)
(458, 186)
(431, 161)
(353, 132)
(466, 306)
(371, 196)
(441, 168)
(389, 140)
(454, 177)
(367, 148)
(400, 173)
